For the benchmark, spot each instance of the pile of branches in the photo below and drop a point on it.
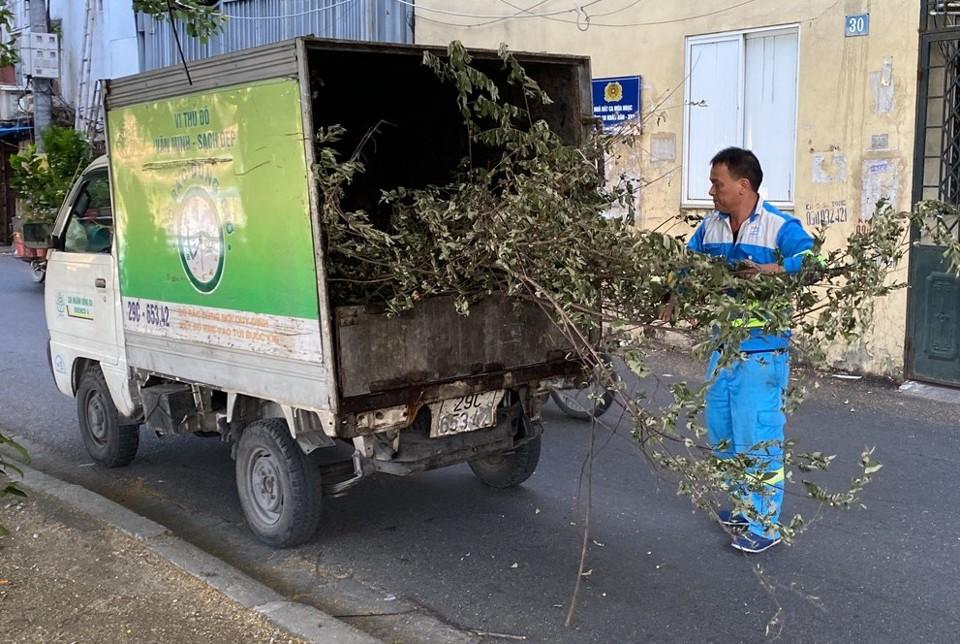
(535, 224)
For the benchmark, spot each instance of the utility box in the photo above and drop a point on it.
(40, 55)
(10, 102)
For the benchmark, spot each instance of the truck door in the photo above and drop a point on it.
(80, 298)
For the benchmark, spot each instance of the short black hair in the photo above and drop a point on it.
(742, 164)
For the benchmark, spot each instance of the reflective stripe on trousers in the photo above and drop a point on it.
(744, 409)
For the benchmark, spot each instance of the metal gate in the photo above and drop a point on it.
(933, 311)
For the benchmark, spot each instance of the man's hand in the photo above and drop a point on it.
(666, 313)
(750, 269)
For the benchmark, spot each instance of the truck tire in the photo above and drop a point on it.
(508, 469)
(108, 442)
(278, 485)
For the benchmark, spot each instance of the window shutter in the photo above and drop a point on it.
(770, 103)
(713, 118)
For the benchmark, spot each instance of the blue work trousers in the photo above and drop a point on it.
(744, 415)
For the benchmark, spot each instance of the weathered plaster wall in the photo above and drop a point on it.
(114, 42)
(855, 116)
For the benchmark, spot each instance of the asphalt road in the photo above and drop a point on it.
(505, 562)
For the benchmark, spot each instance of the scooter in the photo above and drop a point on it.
(38, 270)
(31, 246)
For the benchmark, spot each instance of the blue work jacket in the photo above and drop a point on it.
(768, 236)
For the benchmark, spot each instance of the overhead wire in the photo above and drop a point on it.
(582, 20)
(580, 9)
(230, 16)
(528, 12)
(501, 16)
(518, 14)
(554, 18)
(521, 13)
(621, 9)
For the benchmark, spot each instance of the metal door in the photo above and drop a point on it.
(933, 316)
(80, 294)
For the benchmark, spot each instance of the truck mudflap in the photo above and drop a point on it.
(417, 451)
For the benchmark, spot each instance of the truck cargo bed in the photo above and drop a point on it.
(417, 138)
(434, 344)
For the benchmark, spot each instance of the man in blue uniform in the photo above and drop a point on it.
(744, 404)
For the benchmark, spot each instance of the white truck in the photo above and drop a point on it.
(187, 286)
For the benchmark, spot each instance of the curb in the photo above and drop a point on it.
(930, 392)
(301, 620)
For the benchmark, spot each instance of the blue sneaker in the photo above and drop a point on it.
(753, 543)
(728, 518)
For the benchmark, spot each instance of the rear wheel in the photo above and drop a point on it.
(108, 442)
(278, 485)
(508, 469)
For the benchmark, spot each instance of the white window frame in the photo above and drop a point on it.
(741, 35)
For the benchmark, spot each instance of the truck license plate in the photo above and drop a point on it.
(465, 413)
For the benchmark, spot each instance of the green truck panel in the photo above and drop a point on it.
(211, 199)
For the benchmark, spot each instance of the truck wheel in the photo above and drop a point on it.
(278, 485)
(107, 441)
(508, 469)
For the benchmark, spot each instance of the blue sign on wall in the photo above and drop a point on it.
(616, 99)
(858, 25)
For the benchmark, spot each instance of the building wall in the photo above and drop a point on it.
(855, 114)
(115, 48)
(251, 23)
(114, 44)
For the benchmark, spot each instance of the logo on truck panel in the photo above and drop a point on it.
(200, 240)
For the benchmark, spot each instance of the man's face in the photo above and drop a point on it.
(727, 192)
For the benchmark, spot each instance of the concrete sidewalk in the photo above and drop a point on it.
(80, 568)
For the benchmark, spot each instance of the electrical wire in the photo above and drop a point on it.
(523, 13)
(621, 9)
(519, 13)
(176, 38)
(528, 12)
(575, 22)
(583, 18)
(460, 14)
(287, 16)
(683, 19)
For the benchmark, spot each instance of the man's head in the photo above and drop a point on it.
(735, 178)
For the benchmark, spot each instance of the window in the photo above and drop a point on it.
(741, 90)
(90, 229)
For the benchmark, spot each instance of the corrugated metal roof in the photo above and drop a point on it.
(251, 23)
(270, 61)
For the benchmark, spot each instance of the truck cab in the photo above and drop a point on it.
(81, 299)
